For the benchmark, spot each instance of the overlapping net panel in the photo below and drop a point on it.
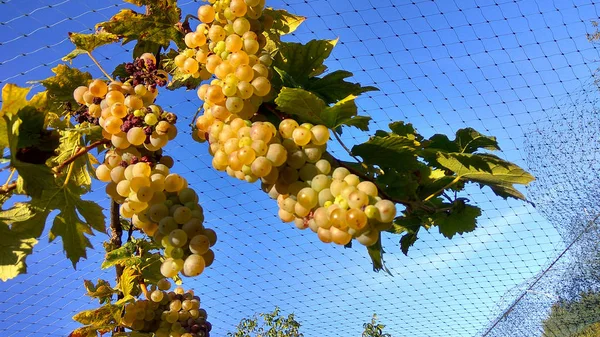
(522, 71)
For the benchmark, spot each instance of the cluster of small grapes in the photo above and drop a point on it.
(158, 202)
(295, 169)
(291, 159)
(228, 44)
(144, 71)
(168, 313)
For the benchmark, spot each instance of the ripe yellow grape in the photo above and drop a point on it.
(133, 102)
(78, 94)
(98, 88)
(118, 110)
(136, 136)
(301, 136)
(241, 26)
(320, 134)
(114, 96)
(206, 13)
(113, 124)
(216, 33)
(103, 173)
(238, 8)
(190, 66)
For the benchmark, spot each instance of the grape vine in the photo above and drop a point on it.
(269, 110)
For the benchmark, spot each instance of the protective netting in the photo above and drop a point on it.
(519, 70)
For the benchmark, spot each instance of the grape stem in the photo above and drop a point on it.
(99, 66)
(337, 137)
(6, 188)
(79, 153)
(144, 288)
(12, 173)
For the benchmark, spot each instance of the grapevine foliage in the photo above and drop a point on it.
(269, 108)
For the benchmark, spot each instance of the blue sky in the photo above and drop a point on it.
(498, 66)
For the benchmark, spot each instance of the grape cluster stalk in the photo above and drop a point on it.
(290, 159)
(157, 201)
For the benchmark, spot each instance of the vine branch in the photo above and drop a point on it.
(79, 153)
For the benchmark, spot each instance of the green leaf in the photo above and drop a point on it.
(283, 21)
(392, 151)
(406, 241)
(345, 112)
(158, 29)
(469, 140)
(462, 218)
(333, 88)
(123, 255)
(376, 253)
(286, 79)
(85, 43)
(61, 86)
(304, 104)
(128, 282)
(102, 291)
(179, 80)
(14, 248)
(31, 127)
(107, 314)
(14, 98)
(410, 225)
(167, 8)
(71, 227)
(17, 241)
(303, 61)
(310, 108)
(487, 170)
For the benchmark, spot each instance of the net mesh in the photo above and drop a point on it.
(519, 70)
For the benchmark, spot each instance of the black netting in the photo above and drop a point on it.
(519, 70)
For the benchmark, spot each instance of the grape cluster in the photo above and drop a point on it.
(168, 313)
(295, 169)
(229, 45)
(138, 176)
(291, 160)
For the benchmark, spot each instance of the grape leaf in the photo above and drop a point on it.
(467, 140)
(376, 253)
(128, 282)
(283, 21)
(332, 87)
(487, 170)
(462, 218)
(17, 241)
(345, 112)
(410, 225)
(392, 151)
(14, 248)
(304, 104)
(85, 43)
(160, 7)
(159, 28)
(102, 291)
(303, 61)
(61, 86)
(310, 108)
(14, 98)
(31, 126)
(106, 315)
(123, 255)
(68, 223)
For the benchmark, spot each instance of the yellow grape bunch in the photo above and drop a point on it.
(291, 160)
(138, 176)
(228, 44)
(167, 313)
